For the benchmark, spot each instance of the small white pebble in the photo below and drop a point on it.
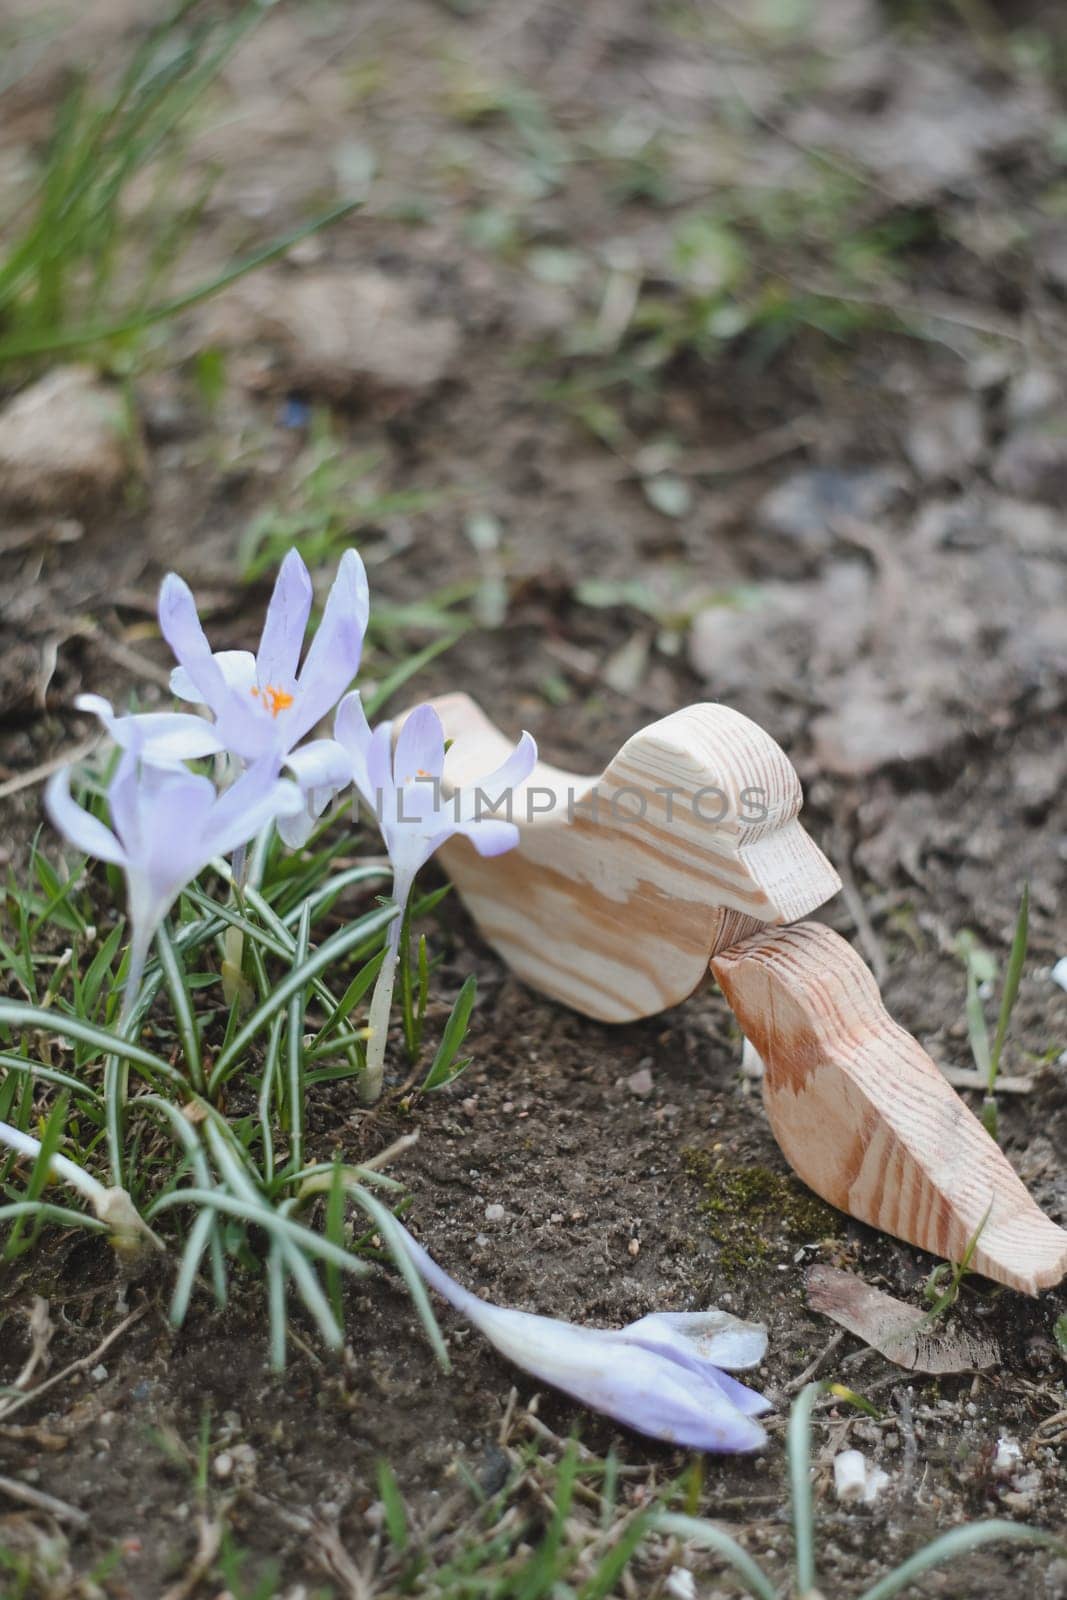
(856, 1481)
(634, 1247)
(1008, 1456)
(99, 1374)
(495, 1213)
(639, 1083)
(1059, 972)
(223, 1464)
(680, 1584)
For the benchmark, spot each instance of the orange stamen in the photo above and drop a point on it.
(275, 700)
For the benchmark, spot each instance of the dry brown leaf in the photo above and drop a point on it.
(899, 1332)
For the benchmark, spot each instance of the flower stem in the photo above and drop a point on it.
(370, 1084)
(117, 1068)
(233, 943)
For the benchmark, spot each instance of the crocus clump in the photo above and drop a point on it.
(666, 1375)
(169, 822)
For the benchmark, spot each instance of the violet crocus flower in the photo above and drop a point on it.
(662, 1375)
(263, 704)
(404, 789)
(168, 825)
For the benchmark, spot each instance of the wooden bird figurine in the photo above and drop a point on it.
(866, 1119)
(623, 887)
(688, 850)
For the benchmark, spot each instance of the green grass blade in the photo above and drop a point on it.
(696, 1531)
(19, 348)
(263, 1216)
(329, 952)
(798, 1449)
(1012, 978)
(442, 1069)
(279, 1322)
(195, 1245)
(37, 1069)
(295, 1052)
(959, 1542)
(17, 1015)
(388, 1227)
(46, 1211)
(407, 669)
(359, 986)
(181, 1001)
(335, 1232)
(396, 1520)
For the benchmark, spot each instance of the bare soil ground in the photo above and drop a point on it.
(840, 511)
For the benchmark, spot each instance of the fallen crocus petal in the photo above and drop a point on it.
(655, 1376)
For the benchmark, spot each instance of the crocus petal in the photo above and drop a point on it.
(352, 730)
(380, 788)
(258, 797)
(479, 798)
(321, 769)
(715, 1336)
(174, 817)
(333, 657)
(84, 831)
(654, 1333)
(287, 618)
(167, 737)
(322, 764)
(238, 668)
(490, 836)
(420, 746)
(180, 625)
(604, 1370)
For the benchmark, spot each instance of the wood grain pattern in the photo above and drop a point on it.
(867, 1120)
(619, 892)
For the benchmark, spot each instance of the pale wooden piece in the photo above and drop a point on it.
(867, 1120)
(618, 914)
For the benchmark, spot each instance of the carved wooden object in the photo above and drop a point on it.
(618, 894)
(867, 1120)
(617, 897)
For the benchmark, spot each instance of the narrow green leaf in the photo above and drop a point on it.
(359, 986)
(697, 1531)
(396, 1521)
(181, 1002)
(442, 1069)
(1012, 978)
(17, 348)
(959, 1542)
(331, 951)
(295, 1053)
(798, 1450)
(18, 1015)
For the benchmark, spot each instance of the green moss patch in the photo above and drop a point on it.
(754, 1212)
